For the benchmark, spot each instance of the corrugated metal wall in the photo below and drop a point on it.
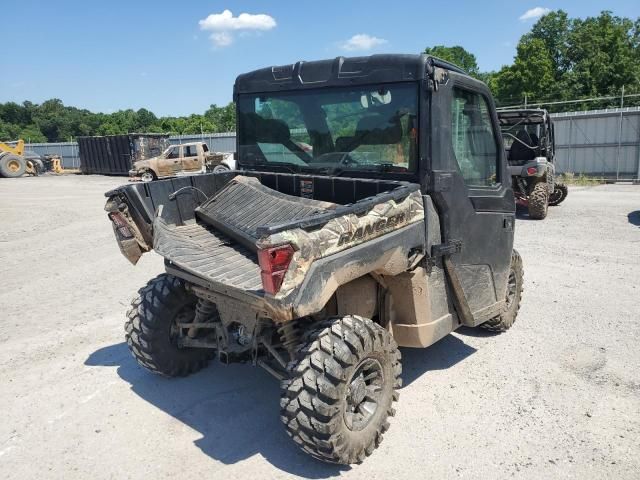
(217, 142)
(67, 150)
(604, 143)
(598, 142)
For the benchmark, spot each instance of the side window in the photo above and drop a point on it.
(174, 152)
(191, 151)
(473, 138)
(205, 149)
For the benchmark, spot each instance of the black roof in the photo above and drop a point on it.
(340, 71)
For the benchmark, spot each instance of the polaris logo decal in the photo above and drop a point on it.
(371, 228)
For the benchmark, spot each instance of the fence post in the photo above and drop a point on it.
(619, 135)
(638, 147)
(569, 160)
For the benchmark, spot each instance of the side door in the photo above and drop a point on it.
(170, 163)
(192, 158)
(471, 188)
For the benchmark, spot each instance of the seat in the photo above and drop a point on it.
(375, 129)
(520, 151)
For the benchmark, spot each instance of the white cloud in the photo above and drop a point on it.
(222, 39)
(534, 13)
(222, 25)
(362, 41)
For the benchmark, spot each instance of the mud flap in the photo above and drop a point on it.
(459, 298)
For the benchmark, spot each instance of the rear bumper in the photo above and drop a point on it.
(535, 168)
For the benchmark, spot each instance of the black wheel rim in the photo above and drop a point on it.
(364, 392)
(555, 196)
(512, 288)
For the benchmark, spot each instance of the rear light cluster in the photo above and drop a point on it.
(532, 170)
(274, 262)
(121, 224)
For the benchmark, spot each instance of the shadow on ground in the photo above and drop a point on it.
(634, 218)
(235, 407)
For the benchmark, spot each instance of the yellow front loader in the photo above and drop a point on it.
(13, 162)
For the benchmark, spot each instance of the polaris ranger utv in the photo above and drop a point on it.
(529, 141)
(372, 208)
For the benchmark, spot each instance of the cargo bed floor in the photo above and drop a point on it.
(202, 251)
(244, 205)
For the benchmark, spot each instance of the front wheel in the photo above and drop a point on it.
(337, 402)
(505, 321)
(152, 332)
(148, 176)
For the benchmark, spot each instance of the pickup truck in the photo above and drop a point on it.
(372, 208)
(181, 159)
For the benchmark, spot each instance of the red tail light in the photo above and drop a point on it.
(274, 262)
(121, 224)
(532, 171)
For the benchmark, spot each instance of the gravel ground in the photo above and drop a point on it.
(558, 396)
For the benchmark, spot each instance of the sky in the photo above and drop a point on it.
(177, 58)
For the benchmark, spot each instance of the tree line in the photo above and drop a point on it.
(562, 59)
(559, 59)
(52, 121)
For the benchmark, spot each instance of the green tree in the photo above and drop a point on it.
(531, 75)
(456, 55)
(554, 29)
(604, 55)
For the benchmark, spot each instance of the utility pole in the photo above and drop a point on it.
(525, 100)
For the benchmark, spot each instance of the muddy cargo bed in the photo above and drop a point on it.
(244, 208)
(202, 251)
(209, 228)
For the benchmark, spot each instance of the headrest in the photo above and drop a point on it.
(378, 129)
(264, 130)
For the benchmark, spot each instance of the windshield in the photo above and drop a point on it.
(355, 128)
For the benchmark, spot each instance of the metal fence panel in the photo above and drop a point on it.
(67, 150)
(605, 143)
(217, 142)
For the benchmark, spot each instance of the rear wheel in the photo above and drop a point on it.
(560, 192)
(12, 166)
(539, 201)
(338, 400)
(220, 169)
(151, 328)
(505, 321)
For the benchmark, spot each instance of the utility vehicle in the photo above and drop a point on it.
(529, 140)
(372, 208)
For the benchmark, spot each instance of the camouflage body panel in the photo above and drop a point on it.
(340, 234)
